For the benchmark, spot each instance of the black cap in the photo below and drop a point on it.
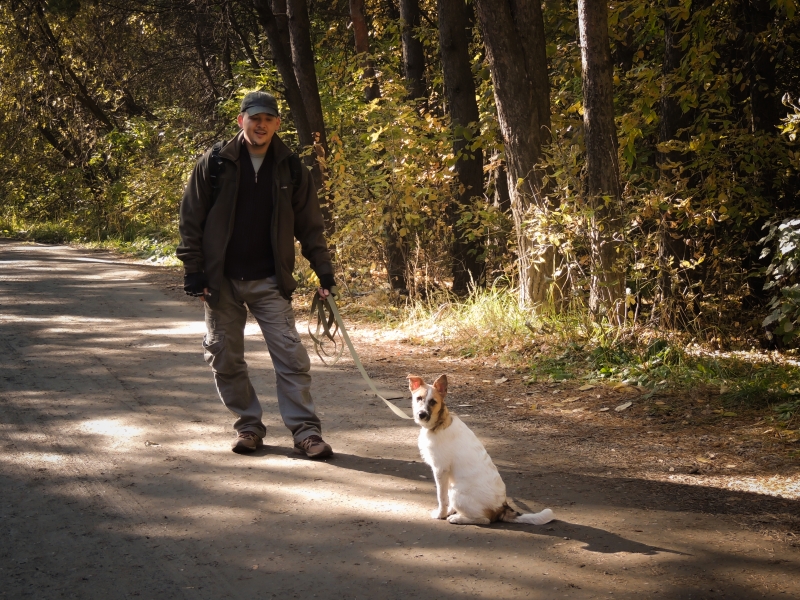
(260, 102)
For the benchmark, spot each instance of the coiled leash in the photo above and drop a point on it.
(329, 349)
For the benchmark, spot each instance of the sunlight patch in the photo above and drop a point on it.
(180, 328)
(110, 427)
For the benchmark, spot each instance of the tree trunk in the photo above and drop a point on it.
(282, 19)
(305, 72)
(372, 90)
(672, 250)
(413, 51)
(765, 101)
(513, 34)
(283, 62)
(601, 185)
(294, 97)
(459, 89)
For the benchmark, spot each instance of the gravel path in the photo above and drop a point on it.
(116, 478)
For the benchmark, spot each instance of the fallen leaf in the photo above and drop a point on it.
(622, 407)
(729, 414)
(660, 403)
(723, 388)
(464, 405)
(501, 380)
(486, 380)
(572, 399)
(703, 460)
(620, 385)
(586, 387)
(604, 409)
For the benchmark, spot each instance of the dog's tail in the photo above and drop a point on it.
(540, 518)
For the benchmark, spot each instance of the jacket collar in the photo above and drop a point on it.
(231, 150)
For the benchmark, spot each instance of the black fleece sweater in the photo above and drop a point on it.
(249, 252)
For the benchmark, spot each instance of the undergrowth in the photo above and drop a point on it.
(154, 246)
(553, 347)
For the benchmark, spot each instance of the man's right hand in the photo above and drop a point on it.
(195, 284)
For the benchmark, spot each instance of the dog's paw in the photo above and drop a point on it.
(438, 513)
(458, 519)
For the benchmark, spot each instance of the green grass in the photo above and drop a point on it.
(151, 248)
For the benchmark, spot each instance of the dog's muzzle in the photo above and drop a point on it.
(423, 416)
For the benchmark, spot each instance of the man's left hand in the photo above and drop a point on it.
(326, 283)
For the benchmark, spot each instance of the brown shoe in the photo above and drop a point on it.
(246, 442)
(314, 447)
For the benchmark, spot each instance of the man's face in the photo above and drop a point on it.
(258, 129)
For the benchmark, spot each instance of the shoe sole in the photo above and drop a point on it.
(324, 454)
(241, 449)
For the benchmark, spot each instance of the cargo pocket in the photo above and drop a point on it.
(294, 351)
(214, 351)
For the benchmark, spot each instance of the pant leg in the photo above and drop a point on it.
(224, 350)
(290, 359)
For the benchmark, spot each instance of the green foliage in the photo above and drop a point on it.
(101, 122)
(691, 204)
(783, 275)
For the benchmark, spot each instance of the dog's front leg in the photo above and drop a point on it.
(442, 479)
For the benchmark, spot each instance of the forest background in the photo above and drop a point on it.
(589, 188)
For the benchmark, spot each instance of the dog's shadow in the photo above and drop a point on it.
(595, 540)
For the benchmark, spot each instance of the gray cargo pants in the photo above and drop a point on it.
(224, 351)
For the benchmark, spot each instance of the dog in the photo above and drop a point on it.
(469, 488)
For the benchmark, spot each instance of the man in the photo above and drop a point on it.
(243, 207)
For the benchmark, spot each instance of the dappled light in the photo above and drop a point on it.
(117, 457)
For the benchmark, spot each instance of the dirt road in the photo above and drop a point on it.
(116, 478)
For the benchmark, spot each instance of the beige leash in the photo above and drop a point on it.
(327, 328)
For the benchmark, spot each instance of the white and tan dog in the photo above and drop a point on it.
(469, 488)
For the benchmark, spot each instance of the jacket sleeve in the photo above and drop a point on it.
(195, 204)
(309, 227)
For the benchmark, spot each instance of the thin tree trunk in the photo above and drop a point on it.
(372, 90)
(459, 89)
(607, 294)
(394, 245)
(83, 95)
(242, 39)
(413, 51)
(513, 34)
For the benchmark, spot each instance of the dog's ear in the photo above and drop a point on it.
(440, 385)
(414, 382)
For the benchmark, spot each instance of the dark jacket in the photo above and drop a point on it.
(206, 230)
